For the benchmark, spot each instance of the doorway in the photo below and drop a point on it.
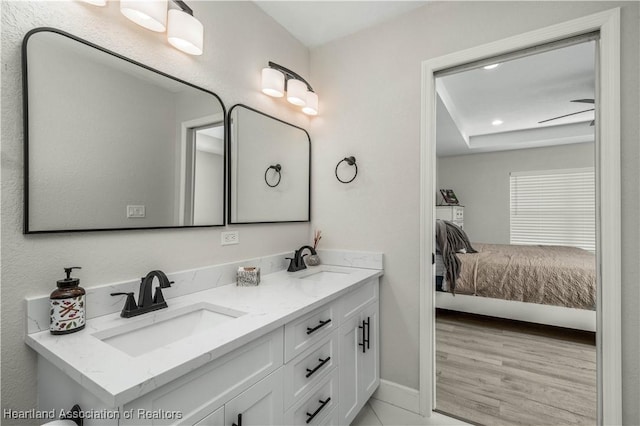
(608, 200)
(204, 177)
(515, 338)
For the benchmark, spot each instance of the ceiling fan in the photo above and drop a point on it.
(583, 101)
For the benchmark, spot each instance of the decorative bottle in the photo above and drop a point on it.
(67, 313)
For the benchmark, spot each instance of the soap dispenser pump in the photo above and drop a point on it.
(67, 313)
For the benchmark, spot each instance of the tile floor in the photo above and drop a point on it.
(378, 413)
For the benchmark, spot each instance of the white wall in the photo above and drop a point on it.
(369, 85)
(481, 183)
(239, 40)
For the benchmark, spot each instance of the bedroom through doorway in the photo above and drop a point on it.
(515, 237)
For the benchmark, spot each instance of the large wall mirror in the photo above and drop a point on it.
(112, 144)
(270, 169)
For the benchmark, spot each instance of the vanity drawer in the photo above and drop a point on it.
(354, 301)
(332, 419)
(308, 330)
(315, 408)
(197, 393)
(309, 368)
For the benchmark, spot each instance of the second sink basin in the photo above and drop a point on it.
(164, 328)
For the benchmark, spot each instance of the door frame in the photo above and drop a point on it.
(608, 201)
(186, 128)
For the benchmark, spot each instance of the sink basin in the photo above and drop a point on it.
(323, 275)
(156, 331)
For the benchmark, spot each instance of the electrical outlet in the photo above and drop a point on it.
(135, 211)
(229, 237)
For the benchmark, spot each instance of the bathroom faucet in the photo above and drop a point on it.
(144, 298)
(146, 303)
(297, 261)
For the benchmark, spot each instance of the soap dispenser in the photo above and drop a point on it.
(67, 314)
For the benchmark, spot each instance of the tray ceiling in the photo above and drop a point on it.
(520, 93)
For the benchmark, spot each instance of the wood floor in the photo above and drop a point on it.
(499, 372)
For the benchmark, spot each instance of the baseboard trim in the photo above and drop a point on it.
(398, 395)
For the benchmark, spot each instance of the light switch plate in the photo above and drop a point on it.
(135, 211)
(229, 237)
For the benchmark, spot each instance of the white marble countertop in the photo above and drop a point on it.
(118, 378)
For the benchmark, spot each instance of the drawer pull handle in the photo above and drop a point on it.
(368, 331)
(315, 413)
(366, 328)
(239, 421)
(317, 367)
(322, 324)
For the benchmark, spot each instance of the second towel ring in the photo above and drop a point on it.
(277, 168)
(350, 161)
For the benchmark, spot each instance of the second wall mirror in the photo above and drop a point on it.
(269, 169)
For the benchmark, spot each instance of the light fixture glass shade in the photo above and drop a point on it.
(151, 14)
(185, 32)
(272, 82)
(296, 92)
(96, 2)
(311, 108)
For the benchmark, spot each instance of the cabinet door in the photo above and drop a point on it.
(261, 404)
(369, 368)
(350, 336)
(214, 419)
(207, 388)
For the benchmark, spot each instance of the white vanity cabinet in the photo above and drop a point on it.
(321, 367)
(214, 419)
(259, 405)
(359, 354)
(318, 367)
(238, 378)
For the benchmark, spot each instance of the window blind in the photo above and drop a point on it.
(554, 207)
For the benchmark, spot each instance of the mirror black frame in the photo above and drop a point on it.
(25, 117)
(228, 167)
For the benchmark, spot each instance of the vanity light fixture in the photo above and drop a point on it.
(272, 82)
(277, 79)
(497, 122)
(311, 107)
(184, 31)
(96, 2)
(150, 14)
(296, 92)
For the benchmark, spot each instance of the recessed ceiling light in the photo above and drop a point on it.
(497, 122)
(491, 67)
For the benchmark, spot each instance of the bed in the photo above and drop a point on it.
(553, 285)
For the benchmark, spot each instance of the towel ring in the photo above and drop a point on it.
(350, 161)
(277, 168)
